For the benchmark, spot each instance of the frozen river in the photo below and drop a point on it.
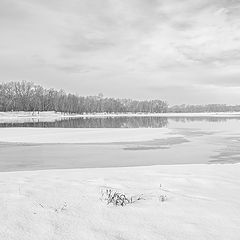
(190, 140)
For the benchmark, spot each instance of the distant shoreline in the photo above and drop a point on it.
(50, 115)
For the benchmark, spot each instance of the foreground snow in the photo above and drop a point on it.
(203, 202)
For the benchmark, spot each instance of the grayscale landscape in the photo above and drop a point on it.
(119, 120)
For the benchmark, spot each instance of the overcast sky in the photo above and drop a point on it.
(184, 51)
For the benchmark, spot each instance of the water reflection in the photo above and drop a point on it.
(201, 119)
(112, 122)
(108, 122)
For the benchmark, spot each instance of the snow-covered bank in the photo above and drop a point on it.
(82, 135)
(204, 114)
(202, 203)
(20, 117)
(22, 114)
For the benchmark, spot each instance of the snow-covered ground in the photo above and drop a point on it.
(20, 117)
(203, 202)
(82, 135)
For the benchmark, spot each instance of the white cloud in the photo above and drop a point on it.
(140, 45)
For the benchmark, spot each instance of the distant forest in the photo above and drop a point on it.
(26, 96)
(203, 108)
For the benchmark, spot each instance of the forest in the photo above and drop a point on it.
(27, 96)
(203, 108)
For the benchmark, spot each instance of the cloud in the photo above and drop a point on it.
(12, 12)
(157, 43)
(90, 44)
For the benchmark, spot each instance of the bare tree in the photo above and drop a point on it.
(25, 96)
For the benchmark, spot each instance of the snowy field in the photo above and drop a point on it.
(203, 202)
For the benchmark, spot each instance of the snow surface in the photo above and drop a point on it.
(203, 202)
(82, 135)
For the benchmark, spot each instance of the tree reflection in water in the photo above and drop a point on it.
(112, 122)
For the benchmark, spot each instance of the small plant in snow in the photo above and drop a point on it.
(111, 196)
(117, 198)
(57, 210)
(162, 197)
(64, 207)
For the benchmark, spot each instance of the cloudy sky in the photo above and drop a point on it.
(184, 51)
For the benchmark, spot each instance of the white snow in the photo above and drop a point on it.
(26, 116)
(203, 202)
(201, 114)
(81, 135)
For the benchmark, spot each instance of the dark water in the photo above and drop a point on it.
(114, 122)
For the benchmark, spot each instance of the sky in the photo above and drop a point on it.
(184, 51)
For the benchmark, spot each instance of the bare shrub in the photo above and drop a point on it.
(116, 198)
(162, 198)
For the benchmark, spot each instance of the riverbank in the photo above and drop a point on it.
(202, 203)
(6, 117)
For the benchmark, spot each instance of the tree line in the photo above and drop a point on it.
(27, 96)
(203, 108)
